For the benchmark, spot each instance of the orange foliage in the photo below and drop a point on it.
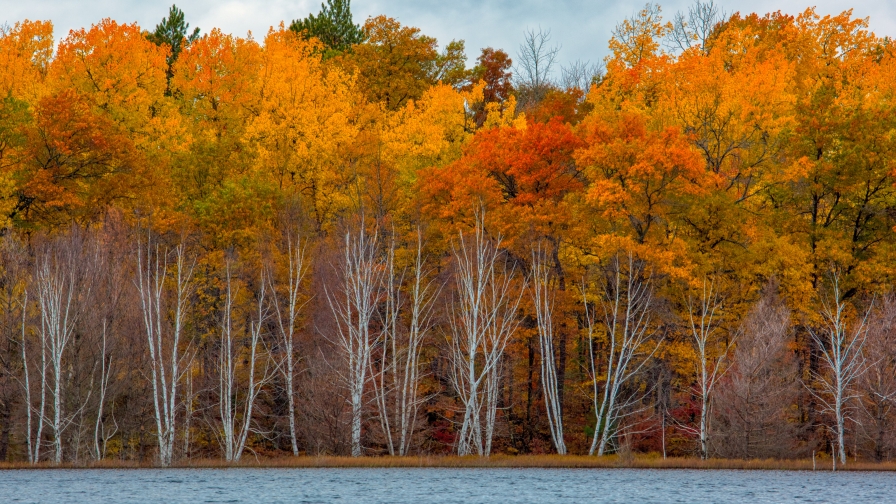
(113, 65)
(26, 50)
(79, 164)
(637, 174)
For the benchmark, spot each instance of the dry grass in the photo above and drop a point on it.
(497, 461)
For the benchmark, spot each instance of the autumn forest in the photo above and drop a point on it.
(344, 237)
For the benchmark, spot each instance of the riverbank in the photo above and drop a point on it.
(496, 461)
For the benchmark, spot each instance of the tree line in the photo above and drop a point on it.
(342, 240)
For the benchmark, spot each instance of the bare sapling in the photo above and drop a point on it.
(751, 404)
(631, 341)
(423, 293)
(383, 387)
(164, 302)
(543, 294)
(15, 293)
(483, 318)
(877, 386)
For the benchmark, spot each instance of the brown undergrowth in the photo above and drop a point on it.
(497, 461)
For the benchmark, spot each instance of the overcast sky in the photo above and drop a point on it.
(580, 27)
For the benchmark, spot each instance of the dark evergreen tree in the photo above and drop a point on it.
(333, 26)
(172, 31)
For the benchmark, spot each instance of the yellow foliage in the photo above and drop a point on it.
(429, 131)
(503, 114)
(305, 122)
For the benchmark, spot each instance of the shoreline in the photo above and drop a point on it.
(496, 461)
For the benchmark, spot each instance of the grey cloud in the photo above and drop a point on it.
(581, 27)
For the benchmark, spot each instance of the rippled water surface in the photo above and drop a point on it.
(542, 486)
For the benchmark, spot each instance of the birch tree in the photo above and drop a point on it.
(543, 294)
(840, 342)
(164, 309)
(236, 418)
(286, 310)
(353, 304)
(710, 353)
(483, 318)
(33, 442)
(406, 320)
(100, 436)
(103, 328)
(63, 282)
(631, 341)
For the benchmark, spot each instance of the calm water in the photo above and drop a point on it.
(542, 486)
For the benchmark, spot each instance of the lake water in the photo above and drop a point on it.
(541, 486)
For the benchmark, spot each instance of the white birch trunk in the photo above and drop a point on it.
(353, 305)
(544, 313)
(100, 438)
(396, 384)
(627, 305)
(41, 412)
(62, 284)
(842, 359)
(422, 296)
(703, 323)
(384, 381)
(32, 444)
(287, 312)
(236, 419)
(167, 362)
(27, 387)
(483, 318)
(225, 370)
